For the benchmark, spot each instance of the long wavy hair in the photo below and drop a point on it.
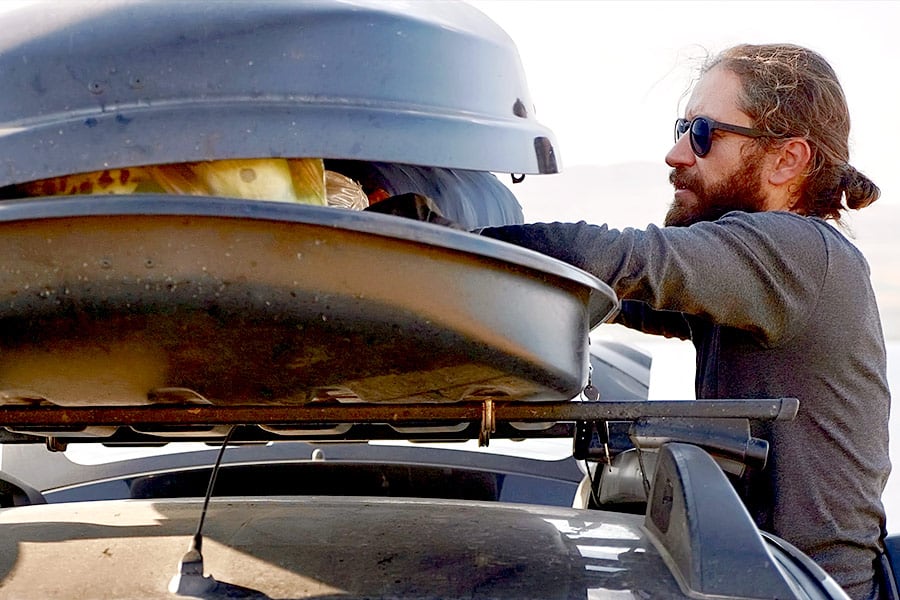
(792, 91)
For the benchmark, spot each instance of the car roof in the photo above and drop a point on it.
(694, 540)
(325, 546)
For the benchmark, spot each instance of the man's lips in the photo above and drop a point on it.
(684, 196)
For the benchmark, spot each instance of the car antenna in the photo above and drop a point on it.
(189, 580)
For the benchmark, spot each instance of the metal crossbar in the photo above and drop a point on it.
(74, 416)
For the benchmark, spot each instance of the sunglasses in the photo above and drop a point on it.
(702, 128)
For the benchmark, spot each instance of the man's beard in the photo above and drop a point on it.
(740, 191)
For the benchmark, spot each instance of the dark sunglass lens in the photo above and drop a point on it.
(701, 136)
(681, 127)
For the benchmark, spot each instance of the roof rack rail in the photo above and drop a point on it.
(704, 532)
(24, 422)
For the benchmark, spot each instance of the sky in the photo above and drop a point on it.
(609, 77)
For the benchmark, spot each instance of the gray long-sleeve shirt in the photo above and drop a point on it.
(777, 305)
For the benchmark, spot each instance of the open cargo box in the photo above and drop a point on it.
(186, 302)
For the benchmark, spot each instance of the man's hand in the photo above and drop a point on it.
(413, 206)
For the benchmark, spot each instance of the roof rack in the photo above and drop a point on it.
(457, 421)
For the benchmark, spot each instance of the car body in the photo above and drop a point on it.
(265, 535)
(333, 368)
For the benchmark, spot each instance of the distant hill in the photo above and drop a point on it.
(635, 194)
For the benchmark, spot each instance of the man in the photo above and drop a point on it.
(776, 301)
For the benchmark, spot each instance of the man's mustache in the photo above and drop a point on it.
(680, 179)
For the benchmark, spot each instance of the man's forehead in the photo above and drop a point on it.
(715, 95)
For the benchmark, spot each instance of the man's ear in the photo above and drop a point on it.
(790, 161)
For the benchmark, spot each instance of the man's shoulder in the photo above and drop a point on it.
(795, 231)
(781, 218)
(779, 222)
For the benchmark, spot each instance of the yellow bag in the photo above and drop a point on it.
(301, 180)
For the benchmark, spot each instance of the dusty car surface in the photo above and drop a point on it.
(246, 226)
(314, 547)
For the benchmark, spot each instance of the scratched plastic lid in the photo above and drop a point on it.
(106, 85)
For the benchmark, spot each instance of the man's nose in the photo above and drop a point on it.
(681, 154)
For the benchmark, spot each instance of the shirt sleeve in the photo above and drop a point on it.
(635, 314)
(758, 272)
